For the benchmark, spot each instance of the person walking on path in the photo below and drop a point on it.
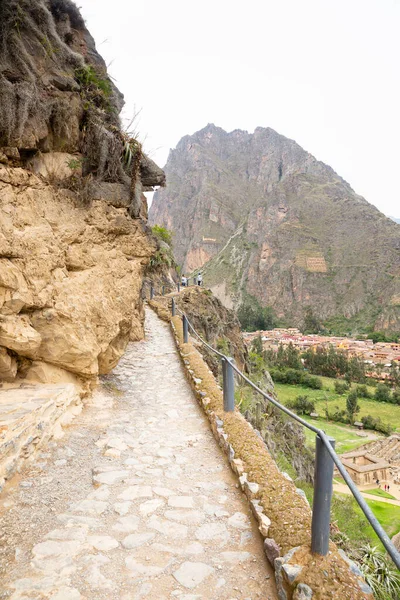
(184, 281)
(199, 279)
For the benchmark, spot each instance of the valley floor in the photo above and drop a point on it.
(135, 502)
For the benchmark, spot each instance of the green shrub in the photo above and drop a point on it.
(296, 377)
(341, 387)
(382, 393)
(380, 573)
(88, 78)
(362, 391)
(376, 424)
(396, 396)
(338, 415)
(312, 382)
(163, 234)
(302, 405)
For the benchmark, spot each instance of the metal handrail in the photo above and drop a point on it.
(328, 444)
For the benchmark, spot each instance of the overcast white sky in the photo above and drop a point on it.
(322, 72)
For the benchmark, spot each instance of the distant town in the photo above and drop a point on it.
(378, 356)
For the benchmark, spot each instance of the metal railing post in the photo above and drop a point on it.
(185, 329)
(179, 287)
(173, 308)
(151, 292)
(323, 487)
(229, 384)
(162, 290)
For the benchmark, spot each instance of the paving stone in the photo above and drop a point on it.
(168, 528)
(95, 578)
(131, 461)
(137, 539)
(57, 548)
(245, 537)
(189, 517)
(234, 557)
(102, 542)
(127, 524)
(191, 574)
(239, 521)
(181, 501)
(117, 443)
(164, 492)
(135, 492)
(91, 507)
(72, 520)
(147, 508)
(69, 533)
(215, 510)
(122, 508)
(111, 477)
(212, 531)
(137, 569)
(102, 493)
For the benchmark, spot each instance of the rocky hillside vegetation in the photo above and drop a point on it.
(74, 244)
(273, 225)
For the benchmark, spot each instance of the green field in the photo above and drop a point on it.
(388, 516)
(381, 493)
(346, 437)
(352, 521)
(389, 413)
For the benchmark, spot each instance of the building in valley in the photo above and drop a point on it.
(365, 468)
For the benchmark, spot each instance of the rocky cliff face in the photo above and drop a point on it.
(74, 243)
(270, 221)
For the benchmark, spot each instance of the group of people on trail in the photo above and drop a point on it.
(378, 483)
(198, 280)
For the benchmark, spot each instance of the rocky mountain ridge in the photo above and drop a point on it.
(266, 220)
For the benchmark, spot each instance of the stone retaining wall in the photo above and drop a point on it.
(281, 510)
(29, 417)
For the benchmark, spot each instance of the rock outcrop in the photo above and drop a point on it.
(271, 222)
(216, 324)
(74, 244)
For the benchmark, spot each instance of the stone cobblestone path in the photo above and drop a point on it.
(137, 501)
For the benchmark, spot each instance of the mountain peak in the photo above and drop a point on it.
(269, 221)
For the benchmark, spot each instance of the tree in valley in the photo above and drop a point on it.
(352, 406)
(311, 323)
